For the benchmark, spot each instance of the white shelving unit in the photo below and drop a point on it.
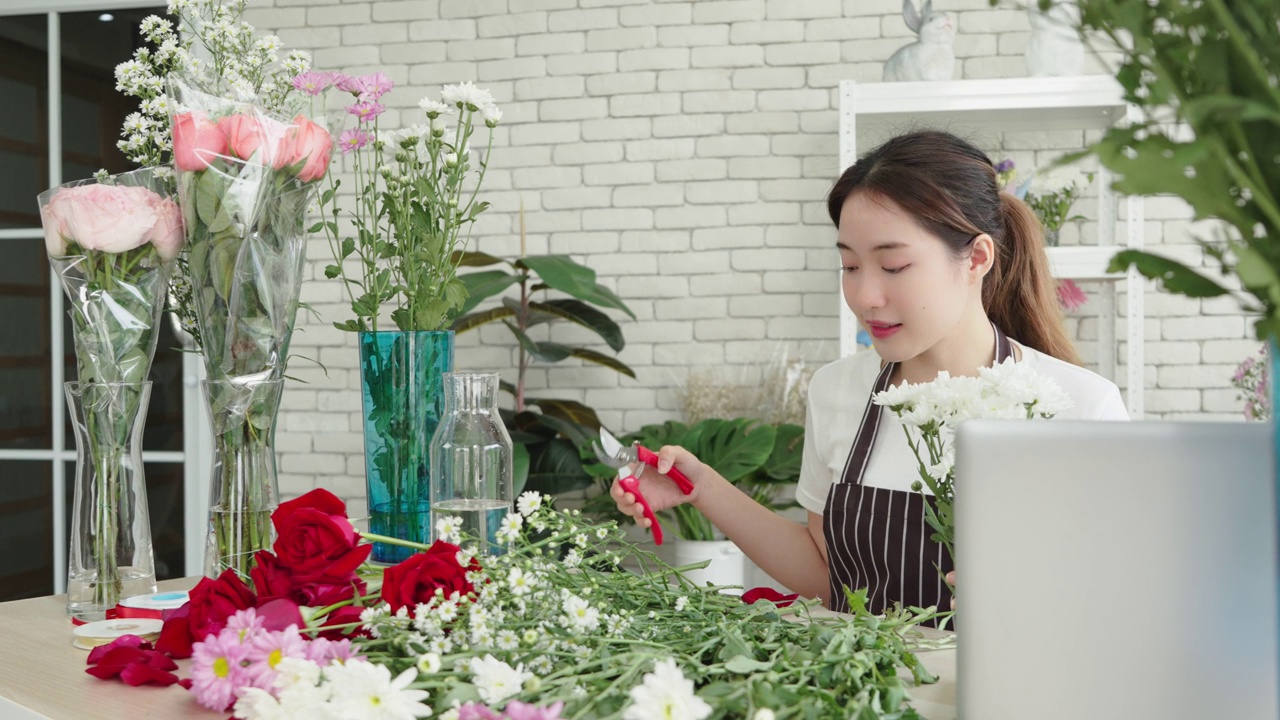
(1091, 102)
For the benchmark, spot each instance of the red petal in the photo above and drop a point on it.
(279, 614)
(319, 499)
(768, 593)
(142, 674)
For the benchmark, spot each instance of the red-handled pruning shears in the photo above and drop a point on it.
(624, 457)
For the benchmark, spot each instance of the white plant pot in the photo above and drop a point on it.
(727, 566)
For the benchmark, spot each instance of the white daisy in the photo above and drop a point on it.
(665, 694)
(367, 690)
(495, 680)
(465, 94)
(529, 502)
(449, 529)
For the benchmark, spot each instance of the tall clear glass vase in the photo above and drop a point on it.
(401, 380)
(243, 490)
(110, 555)
(471, 459)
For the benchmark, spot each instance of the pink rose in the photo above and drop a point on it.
(110, 218)
(311, 147)
(166, 235)
(55, 231)
(259, 139)
(197, 141)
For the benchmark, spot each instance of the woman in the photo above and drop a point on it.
(939, 264)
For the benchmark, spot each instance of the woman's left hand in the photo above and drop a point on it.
(951, 580)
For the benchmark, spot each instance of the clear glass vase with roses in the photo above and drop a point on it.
(245, 181)
(397, 246)
(112, 242)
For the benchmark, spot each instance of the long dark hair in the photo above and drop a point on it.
(950, 188)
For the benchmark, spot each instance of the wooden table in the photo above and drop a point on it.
(42, 675)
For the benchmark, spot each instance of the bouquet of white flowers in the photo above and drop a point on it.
(930, 413)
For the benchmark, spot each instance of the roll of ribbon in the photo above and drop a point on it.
(101, 632)
(152, 605)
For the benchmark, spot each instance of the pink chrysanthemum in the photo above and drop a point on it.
(246, 624)
(366, 111)
(268, 649)
(516, 710)
(353, 140)
(372, 87)
(312, 82)
(217, 670)
(323, 651)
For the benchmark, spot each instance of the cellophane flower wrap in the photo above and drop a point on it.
(112, 241)
(930, 413)
(246, 178)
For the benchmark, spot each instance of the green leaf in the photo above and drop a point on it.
(483, 285)
(578, 312)
(475, 320)
(1173, 275)
(601, 359)
(567, 410)
(548, 352)
(562, 273)
(555, 467)
(332, 271)
(783, 464)
(474, 259)
(743, 665)
(519, 467)
(734, 448)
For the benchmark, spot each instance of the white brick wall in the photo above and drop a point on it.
(682, 149)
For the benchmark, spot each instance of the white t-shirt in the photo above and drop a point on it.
(838, 395)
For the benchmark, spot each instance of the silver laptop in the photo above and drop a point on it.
(1116, 570)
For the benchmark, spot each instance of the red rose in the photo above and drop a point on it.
(769, 594)
(206, 613)
(416, 580)
(272, 580)
(315, 540)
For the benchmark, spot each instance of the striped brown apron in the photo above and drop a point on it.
(876, 537)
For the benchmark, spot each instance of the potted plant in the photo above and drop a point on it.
(1053, 207)
(397, 253)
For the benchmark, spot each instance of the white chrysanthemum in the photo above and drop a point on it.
(449, 529)
(465, 94)
(681, 603)
(508, 640)
(529, 502)
(451, 159)
(763, 714)
(495, 680)
(580, 540)
(572, 559)
(492, 115)
(520, 582)
(367, 690)
(442, 645)
(435, 108)
(579, 615)
(530, 637)
(665, 694)
(428, 663)
(448, 611)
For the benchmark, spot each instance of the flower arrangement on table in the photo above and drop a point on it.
(553, 628)
(930, 413)
(396, 247)
(243, 135)
(111, 242)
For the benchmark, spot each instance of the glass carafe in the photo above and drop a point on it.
(471, 470)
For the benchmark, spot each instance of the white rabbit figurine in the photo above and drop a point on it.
(933, 55)
(1055, 47)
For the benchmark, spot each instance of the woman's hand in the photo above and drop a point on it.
(660, 491)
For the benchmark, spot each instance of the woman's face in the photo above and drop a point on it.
(901, 282)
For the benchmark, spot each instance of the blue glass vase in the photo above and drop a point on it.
(401, 380)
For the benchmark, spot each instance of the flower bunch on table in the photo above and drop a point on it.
(397, 249)
(1252, 380)
(930, 413)
(555, 627)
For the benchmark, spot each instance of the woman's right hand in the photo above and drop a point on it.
(659, 490)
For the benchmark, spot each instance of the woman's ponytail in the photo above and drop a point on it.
(1019, 294)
